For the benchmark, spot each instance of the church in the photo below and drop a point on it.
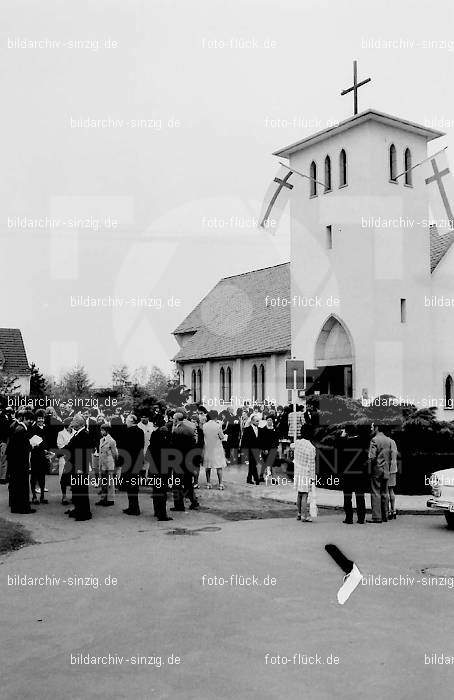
(367, 298)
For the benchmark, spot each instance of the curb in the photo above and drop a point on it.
(326, 506)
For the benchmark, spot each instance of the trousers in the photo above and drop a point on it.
(379, 496)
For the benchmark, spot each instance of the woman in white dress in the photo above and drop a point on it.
(213, 453)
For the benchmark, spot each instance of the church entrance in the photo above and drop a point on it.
(334, 356)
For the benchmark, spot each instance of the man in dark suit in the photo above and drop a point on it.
(184, 442)
(158, 470)
(78, 452)
(132, 450)
(251, 445)
(353, 462)
(18, 456)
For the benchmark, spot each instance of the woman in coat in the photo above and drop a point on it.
(213, 453)
(108, 455)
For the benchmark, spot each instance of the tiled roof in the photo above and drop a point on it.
(235, 320)
(439, 246)
(13, 351)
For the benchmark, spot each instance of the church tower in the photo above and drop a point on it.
(360, 256)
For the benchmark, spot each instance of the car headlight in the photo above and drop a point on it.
(435, 486)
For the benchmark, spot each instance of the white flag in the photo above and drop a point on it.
(276, 197)
(440, 182)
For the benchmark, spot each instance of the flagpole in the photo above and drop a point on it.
(302, 174)
(421, 162)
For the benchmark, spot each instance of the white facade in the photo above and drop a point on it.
(369, 276)
(243, 388)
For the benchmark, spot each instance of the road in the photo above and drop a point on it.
(162, 605)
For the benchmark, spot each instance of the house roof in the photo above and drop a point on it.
(439, 246)
(235, 320)
(12, 350)
(368, 115)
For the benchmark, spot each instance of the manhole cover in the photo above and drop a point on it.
(209, 528)
(445, 571)
(181, 531)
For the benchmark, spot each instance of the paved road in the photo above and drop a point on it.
(222, 634)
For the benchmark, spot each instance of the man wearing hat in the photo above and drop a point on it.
(18, 456)
(5, 421)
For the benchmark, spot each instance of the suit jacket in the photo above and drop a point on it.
(78, 451)
(252, 443)
(18, 449)
(380, 455)
(133, 446)
(184, 440)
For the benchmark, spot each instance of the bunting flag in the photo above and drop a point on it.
(276, 197)
(440, 183)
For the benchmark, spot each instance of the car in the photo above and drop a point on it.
(442, 486)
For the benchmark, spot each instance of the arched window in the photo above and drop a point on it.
(342, 169)
(199, 386)
(229, 384)
(392, 163)
(407, 166)
(262, 383)
(313, 179)
(222, 384)
(193, 385)
(449, 392)
(327, 174)
(254, 383)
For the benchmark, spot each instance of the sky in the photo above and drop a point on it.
(136, 149)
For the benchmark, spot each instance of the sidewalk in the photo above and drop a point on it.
(284, 492)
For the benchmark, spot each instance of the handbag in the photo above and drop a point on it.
(313, 510)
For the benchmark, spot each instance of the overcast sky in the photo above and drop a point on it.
(219, 85)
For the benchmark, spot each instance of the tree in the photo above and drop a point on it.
(8, 386)
(176, 394)
(157, 384)
(120, 376)
(76, 382)
(37, 383)
(140, 376)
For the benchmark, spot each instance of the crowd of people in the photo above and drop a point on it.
(166, 449)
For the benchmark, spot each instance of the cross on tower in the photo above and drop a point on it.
(436, 177)
(355, 87)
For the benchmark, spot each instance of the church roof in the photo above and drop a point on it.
(368, 115)
(234, 320)
(439, 246)
(12, 352)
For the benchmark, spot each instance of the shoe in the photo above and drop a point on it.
(178, 509)
(3, 481)
(161, 520)
(348, 522)
(307, 520)
(208, 486)
(126, 511)
(196, 486)
(221, 487)
(24, 512)
(72, 514)
(44, 501)
(100, 503)
(194, 506)
(83, 517)
(35, 501)
(298, 517)
(107, 504)
(384, 520)
(373, 521)
(360, 522)
(64, 502)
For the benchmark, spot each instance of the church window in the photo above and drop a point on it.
(229, 384)
(313, 179)
(262, 383)
(222, 384)
(342, 169)
(449, 392)
(392, 163)
(198, 392)
(407, 166)
(327, 174)
(403, 310)
(329, 237)
(254, 383)
(193, 385)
